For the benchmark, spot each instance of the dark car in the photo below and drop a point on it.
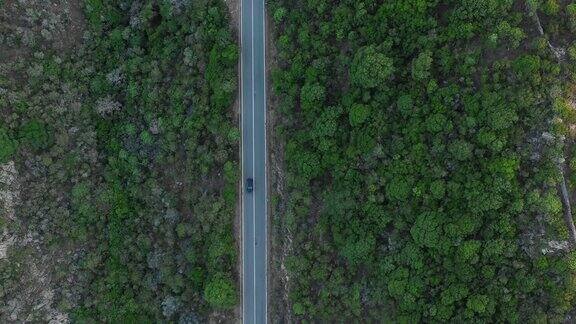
(249, 185)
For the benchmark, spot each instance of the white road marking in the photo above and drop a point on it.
(253, 164)
(265, 169)
(242, 159)
(253, 241)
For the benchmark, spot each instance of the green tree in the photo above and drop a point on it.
(461, 150)
(479, 304)
(358, 250)
(571, 12)
(358, 114)
(35, 135)
(427, 230)
(371, 69)
(7, 145)
(312, 96)
(398, 189)
(279, 15)
(551, 7)
(421, 66)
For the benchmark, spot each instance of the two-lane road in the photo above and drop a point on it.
(254, 212)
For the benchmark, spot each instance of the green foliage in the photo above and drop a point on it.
(427, 230)
(571, 12)
(220, 292)
(551, 203)
(416, 166)
(468, 252)
(572, 52)
(533, 6)
(371, 69)
(421, 66)
(358, 252)
(358, 114)
(405, 104)
(460, 150)
(551, 7)
(279, 15)
(480, 304)
(128, 155)
(527, 66)
(312, 96)
(512, 35)
(34, 134)
(298, 309)
(7, 145)
(398, 189)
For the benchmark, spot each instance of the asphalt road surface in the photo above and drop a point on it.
(254, 212)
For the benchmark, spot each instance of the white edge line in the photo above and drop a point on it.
(253, 163)
(242, 161)
(265, 169)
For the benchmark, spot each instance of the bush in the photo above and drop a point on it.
(34, 134)
(220, 292)
(7, 145)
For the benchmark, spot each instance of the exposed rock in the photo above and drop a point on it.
(555, 247)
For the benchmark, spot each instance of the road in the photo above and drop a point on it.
(254, 211)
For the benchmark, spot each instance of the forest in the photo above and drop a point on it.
(424, 144)
(118, 161)
(423, 161)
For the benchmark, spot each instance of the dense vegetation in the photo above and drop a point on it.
(125, 149)
(422, 142)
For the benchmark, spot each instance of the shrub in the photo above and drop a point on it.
(220, 292)
(7, 145)
(34, 134)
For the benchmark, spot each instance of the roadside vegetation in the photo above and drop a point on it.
(118, 186)
(423, 144)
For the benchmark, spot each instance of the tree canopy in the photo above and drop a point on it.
(422, 141)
